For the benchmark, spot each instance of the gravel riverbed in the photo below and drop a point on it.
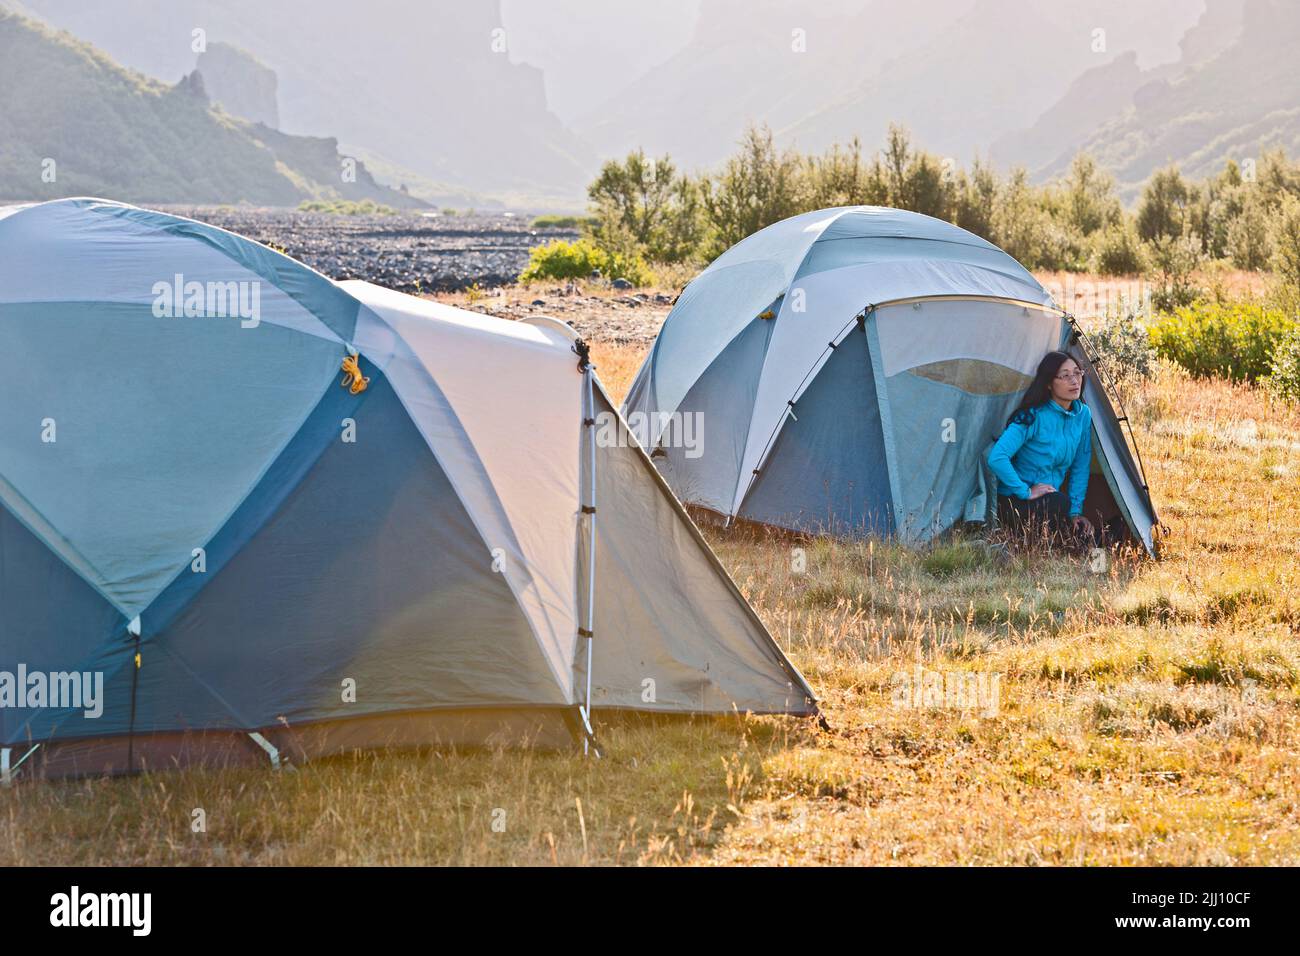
(469, 260)
(410, 252)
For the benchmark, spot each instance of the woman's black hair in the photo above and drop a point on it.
(1039, 391)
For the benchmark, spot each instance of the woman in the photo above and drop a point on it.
(1042, 458)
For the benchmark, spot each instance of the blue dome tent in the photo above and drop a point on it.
(248, 511)
(844, 371)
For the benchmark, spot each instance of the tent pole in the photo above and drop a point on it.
(133, 629)
(587, 629)
(831, 346)
(1109, 385)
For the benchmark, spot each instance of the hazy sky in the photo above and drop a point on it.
(591, 50)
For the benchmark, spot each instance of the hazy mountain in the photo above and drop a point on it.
(240, 83)
(995, 69)
(1218, 28)
(73, 122)
(766, 60)
(1094, 99)
(477, 102)
(427, 85)
(1105, 92)
(960, 73)
(1237, 103)
(588, 50)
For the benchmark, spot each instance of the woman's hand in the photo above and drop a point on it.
(1037, 491)
(1082, 525)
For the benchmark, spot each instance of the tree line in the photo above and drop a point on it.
(1248, 214)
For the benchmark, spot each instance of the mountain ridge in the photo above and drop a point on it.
(74, 122)
(1242, 100)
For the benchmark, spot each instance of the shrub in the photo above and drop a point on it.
(1165, 208)
(1123, 347)
(840, 177)
(579, 259)
(1086, 199)
(346, 207)
(1249, 242)
(1234, 340)
(756, 186)
(1286, 242)
(1020, 224)
(555, 221)
(1175, 261)
(1284, 371)
(1119, 250)
(644, 206)
(976, 200)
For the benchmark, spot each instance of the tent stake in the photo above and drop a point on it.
(269, 747)
(9, 770)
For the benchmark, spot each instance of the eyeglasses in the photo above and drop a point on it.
(1077, 375)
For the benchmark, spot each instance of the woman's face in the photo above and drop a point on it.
(1068, 383)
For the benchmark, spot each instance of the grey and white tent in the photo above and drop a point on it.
(845, 370)
(267, 513)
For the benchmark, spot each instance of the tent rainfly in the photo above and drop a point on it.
(247, 512)
(845, 370)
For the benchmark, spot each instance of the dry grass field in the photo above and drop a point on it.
(1147, 714)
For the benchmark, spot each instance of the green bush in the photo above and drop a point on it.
(579, 259)
(1175, 261)
(1286, 242)
(1233, 340)
(1165, 209)
(757, 186)
(1119, 250)
(1123, 347)
(346, 207)
(1284, 373)
(1248, 240)
(555, 221)
(645, 207)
